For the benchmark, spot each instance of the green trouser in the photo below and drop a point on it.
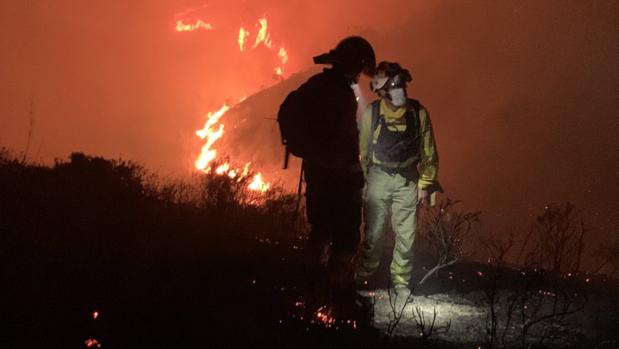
(388, 191)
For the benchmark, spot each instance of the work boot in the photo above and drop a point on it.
(400, 296)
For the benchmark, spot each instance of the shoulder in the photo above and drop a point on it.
(415, 105)
(419, 108)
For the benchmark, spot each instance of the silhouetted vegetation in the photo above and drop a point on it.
(203, 262)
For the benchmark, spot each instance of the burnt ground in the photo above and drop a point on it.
(162, 271)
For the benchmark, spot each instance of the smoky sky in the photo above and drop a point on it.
(522, 94)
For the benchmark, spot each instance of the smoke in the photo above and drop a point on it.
(522, 95)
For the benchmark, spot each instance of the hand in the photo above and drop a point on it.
(422, 196)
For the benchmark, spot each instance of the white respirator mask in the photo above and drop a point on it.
(397, 96)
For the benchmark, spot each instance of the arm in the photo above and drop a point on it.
(364, 137)
(428, 164)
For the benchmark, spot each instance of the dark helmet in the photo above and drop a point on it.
(354, 55)
(394, 76)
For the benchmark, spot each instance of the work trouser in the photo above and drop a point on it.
(387, 191)
(333, 203)
(333, 200)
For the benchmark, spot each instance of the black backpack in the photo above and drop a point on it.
(294, 124)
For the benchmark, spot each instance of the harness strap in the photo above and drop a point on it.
(413, 107)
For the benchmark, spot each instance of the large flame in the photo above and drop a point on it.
(213, 129)
(186, 27)
(210, 134)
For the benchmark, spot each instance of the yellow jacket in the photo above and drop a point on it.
(427, 165)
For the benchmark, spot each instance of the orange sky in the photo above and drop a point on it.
(523, 95)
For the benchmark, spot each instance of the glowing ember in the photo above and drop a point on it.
(243, 34)
(324, 316)
(263, 35)
(92, 343)
(257, 184)
(199, 24)
(210, 135)
(95, 315)
(279, 71)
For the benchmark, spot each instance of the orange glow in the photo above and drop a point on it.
(279, 71)
(199, 24)
(264, 37)
(243, 34)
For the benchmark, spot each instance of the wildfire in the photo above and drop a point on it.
(212, 131)
(199, 24)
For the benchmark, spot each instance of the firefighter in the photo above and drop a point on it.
(400, 162)
(332, 170)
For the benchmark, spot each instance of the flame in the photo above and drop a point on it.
(207, 132)
(243, 34)
(264, 37)
(257, 184)
(199, 24)
(246, 170)
(212, 131)
(222, 168)
(283, 55)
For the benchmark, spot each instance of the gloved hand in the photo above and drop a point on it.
(422, 197)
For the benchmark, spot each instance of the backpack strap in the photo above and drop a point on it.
(415, 107)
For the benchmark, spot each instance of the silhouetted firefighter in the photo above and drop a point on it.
(318, 124)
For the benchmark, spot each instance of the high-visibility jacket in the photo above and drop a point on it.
(424, 159)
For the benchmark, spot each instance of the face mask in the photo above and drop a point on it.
(397, 96)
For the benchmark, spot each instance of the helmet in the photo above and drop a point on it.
(394, 76)
(354, 55)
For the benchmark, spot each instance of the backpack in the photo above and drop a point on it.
(293, 118)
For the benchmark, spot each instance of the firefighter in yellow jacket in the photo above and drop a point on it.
(400, 162)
